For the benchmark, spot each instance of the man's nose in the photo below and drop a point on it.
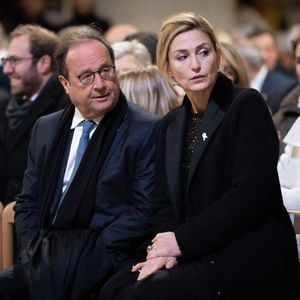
(7, 68)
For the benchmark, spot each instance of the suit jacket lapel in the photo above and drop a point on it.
(174, 144)
(211, 119)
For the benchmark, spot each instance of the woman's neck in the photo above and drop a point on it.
(198, 101)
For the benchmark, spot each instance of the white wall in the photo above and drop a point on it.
(148, 14)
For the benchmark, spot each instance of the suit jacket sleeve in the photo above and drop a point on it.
(26, 219)
(130, 229)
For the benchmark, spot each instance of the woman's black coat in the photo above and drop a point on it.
(237, 226)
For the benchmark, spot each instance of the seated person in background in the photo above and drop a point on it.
(148, 39)
(265, 40)
(84, 12)
(232, 65)
(118, 32)
(35, 91)
(221, 229)
(289, 168)
(82, 213)
(273, 85)
(130, 55)
(4, 80)
(150, 90)
(290, 105)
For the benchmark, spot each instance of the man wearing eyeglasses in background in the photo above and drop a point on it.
(35, 91)
(82, 213)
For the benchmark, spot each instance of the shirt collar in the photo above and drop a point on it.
(33, 97)
(259, 78)
(78, 118)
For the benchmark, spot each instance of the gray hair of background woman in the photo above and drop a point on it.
(134, 47)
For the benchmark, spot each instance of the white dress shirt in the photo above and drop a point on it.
(259, 78)
(77, 126)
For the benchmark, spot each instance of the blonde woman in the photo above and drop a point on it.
(150, 90)
(220, 228)
(232, 65)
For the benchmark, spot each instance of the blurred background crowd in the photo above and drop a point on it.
(260, 47)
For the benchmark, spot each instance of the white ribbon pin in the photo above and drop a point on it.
(204, 136)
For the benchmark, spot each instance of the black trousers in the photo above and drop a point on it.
(58, 265)
(187, 281)
(12, 284)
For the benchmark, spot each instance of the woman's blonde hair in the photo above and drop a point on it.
(175, 25)
(150, 90)
(235, 60)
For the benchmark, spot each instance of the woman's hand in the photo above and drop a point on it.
(153, 265)
(164, 245)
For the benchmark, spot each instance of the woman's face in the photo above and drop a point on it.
(193, 61)
(227, 69)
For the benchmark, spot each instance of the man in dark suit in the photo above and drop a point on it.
(276, 82)
(35, 91)
(275, 87)
(79, 220)
(272, 84)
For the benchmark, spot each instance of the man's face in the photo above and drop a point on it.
(267, 45)
(96, 99)
(21, 68)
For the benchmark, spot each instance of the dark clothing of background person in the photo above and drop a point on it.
(148, 39)
(81, 257)
(16, 122)
(236, 238)
(287, 115)
(4, 99)
(4, 80)
(90, 18)
(275, 87)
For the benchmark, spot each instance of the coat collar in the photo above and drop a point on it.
(219, 102)
(174, 152)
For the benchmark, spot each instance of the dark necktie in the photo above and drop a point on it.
(84, 140)
(83, 143)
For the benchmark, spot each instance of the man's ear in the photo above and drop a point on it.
(64, 82)
(44, 64)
